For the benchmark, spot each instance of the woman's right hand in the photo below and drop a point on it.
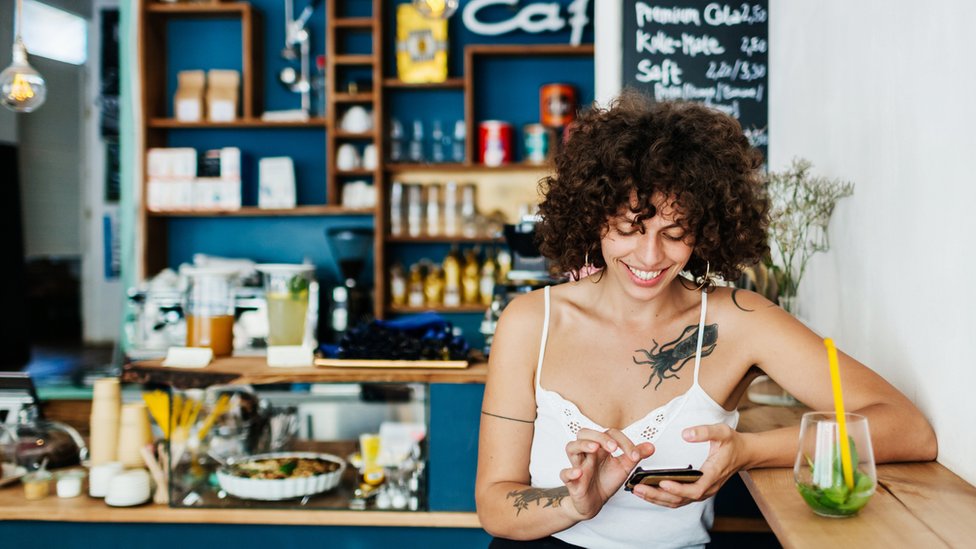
(594, 473)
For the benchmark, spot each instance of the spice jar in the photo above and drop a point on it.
(37, 485)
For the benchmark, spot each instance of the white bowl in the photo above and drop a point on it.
(286, 488)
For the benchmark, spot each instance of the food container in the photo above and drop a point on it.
(69, 483)
(557, 105)
(495, 138)
(232, 480)
(37, 485)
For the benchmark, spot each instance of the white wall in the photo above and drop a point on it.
(8, 120)
(880, 93)
(101, 297)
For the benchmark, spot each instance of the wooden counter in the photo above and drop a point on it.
(255, 370)
(915, 505)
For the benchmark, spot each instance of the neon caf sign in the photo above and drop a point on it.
(534, 18)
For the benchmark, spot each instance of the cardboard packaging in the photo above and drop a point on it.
(171, 172)
(219, 188)
(188, 100)
(276, 182)
(222, 95)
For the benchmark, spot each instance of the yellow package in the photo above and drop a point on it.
(421, 47)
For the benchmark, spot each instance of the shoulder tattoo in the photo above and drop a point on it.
(736, 302)
(668, 359)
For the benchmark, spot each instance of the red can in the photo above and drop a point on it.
(557, 105)
(495, 138)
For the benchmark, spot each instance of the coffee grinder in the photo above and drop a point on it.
(350, 300)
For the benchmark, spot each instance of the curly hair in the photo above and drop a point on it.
(695, 155)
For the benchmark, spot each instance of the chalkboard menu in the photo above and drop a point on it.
(712, 52)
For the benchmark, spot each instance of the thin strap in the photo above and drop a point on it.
(701, 333)
(545, 336)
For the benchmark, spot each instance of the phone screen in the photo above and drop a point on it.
(653, 477)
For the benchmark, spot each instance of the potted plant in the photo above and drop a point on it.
(800, 208)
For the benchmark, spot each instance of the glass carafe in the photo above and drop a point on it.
(209, 307)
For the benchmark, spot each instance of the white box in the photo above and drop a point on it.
(230, 163)
(276, 182)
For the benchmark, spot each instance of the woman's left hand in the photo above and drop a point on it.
(725, 454)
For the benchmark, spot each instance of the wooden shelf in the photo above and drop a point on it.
(358, 172)
(14, 506)
(464, 167)
(252, 211)
(400, 310)
(255, 370)
(365, 23)
(449, 84)
(171, 123)
(361, 97)
(529, 49)
(345, 134)
(212, 9)
(358, 59)
(443, 240)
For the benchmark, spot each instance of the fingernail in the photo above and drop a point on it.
(611, 445)
(688, 434)
(635, 455)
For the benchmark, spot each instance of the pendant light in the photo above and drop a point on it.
(22, 89)
(436, 9)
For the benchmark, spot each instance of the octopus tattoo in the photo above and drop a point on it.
(552, 496)
(666, 360)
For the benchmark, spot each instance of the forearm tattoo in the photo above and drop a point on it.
(552, 496)
(668, 359)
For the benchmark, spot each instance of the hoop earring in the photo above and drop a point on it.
(705, 281)
(586, 259)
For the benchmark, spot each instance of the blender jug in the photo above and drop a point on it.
(210, 308)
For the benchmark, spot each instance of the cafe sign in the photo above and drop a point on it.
(534, 18)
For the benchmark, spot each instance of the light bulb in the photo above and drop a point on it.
(436, 9)
(22, 89)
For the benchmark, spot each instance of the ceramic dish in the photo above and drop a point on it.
(273, 489)
(11, 473)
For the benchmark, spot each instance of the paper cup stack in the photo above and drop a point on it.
(134, 433)
(106, 406)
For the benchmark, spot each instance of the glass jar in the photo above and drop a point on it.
(209, 308)
(39, 440)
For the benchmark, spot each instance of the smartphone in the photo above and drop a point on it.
(653, 477)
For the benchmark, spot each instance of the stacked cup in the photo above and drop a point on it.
(134, 433)
(106, 405)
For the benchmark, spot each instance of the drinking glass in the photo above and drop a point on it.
(210, 308)
(286, 288)
(818, 469)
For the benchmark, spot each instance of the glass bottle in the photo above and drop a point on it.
(434, 286)
(486, 285)
(452, 278)
(437, 142)
(433, 209)
(504, 260)
(469, 210)
(457, 148)
(318, 87)
(396, 208)
(470, 278)
(396, 140)
(415, 286)
(398, 285)
(452, 225)
(415, 148)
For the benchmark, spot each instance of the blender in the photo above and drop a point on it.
(351, 303)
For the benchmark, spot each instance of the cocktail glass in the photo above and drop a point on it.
(819, 467)
(286, 289)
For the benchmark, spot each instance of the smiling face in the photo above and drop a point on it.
(645, 255)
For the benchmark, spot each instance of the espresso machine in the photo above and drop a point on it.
(350, 301)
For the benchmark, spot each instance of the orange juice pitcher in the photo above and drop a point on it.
(210, 308)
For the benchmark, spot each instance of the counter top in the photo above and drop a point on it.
(255, 370)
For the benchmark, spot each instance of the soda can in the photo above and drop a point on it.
(557, 105)
(537, 141)
(495, 138)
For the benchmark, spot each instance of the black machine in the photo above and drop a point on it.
(349, 302)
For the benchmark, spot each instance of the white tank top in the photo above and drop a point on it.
(626, 520)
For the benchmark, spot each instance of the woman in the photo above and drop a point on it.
(637, 365)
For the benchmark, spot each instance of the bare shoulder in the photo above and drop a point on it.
(745, 312)
(514, 348)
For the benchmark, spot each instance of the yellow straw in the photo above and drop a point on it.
(845, 449)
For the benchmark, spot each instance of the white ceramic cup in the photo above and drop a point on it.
(357, 119)
(347, 157)
(99, 477)
(369, 157)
